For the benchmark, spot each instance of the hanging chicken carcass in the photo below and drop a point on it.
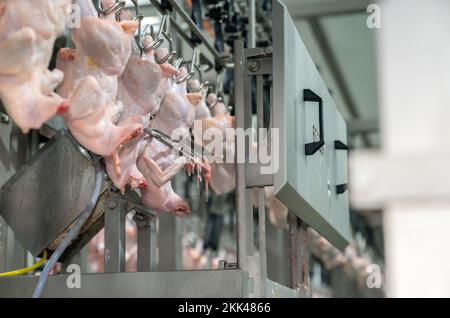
(92, 69)
(138, 90)
(27, 35)
(223, 174)
(158, 164)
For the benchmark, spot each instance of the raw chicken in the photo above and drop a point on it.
(202, 110)
(158, 164)
(27, 36)
(168, 71)
(223, 175)
(103, 48)
(136, 91)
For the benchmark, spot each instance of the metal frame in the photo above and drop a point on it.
(309, 182)
(253, 64)
(249, 279)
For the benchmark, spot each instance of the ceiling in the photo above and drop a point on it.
(343, 48)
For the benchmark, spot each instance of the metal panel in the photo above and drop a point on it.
(115, 218)
(48, 193)
(146, 242)
(308, 176)
(180, 284)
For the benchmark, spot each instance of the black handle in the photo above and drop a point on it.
(339, 145)
(312, 147)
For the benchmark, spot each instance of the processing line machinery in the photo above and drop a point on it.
(43, 198)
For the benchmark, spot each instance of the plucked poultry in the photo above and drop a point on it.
(166, 83)
(158, 164)
(92, 70)
(27, 36)
(137, 87)
(223, 175)
(202, 110)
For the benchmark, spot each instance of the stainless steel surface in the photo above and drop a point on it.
(15, 148)
(48, 193)
(115, 218)
(169, 243)
(278, 266)
(251, 24)
(253, 175)
(179, 284)
(262, 241)
(239, 97)
(275, 290)
(307, 184)
(146, 242)
(3, 243)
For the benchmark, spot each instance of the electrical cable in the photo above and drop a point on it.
(25, 270)
(73, 231)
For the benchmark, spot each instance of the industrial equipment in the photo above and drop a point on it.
(44, 198)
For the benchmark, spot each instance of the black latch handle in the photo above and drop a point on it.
(312, 147)
(339, 145)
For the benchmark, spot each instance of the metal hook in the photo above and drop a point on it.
(139, 17)
(185, 78)
(152, 46)
(202, 87)
(181, 146)
(178, 62)
(166, 58)
(190, 73)
(218, 100)
(199, 71)
(219, 85)
(4, 119)
(116, 8)
(164, 31)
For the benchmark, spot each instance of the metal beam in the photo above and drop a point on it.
(178, 284)
(115, 218)
(306, 9)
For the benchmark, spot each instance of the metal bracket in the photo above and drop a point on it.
(260, 64)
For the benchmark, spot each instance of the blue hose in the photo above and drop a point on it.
(73, 232)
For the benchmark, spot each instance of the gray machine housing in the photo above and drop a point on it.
(313, 185)
(46, 195)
